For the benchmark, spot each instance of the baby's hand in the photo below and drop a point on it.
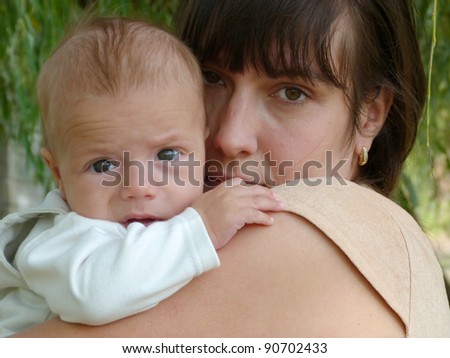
(231, 205)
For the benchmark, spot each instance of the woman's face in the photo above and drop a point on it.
(268, 131)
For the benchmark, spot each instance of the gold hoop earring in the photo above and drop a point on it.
(363, 156)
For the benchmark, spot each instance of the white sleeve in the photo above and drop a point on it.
(94, 271)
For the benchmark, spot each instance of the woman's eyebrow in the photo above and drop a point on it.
(313, 78)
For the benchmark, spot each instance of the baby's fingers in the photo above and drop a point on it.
(267, 203)
(255, 212)
(254, 216)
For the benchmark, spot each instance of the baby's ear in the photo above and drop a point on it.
(53, 166)
(374, 112)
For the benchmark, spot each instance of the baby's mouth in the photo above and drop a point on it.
(146, 221)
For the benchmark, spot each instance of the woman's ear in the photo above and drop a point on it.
(374, 112)
(373, 116)
(52, 165)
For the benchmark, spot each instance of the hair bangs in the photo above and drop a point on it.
(273, 43)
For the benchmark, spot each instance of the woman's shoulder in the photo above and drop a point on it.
(324, 195)
(293, 271)
(382, 241)
(362, 222)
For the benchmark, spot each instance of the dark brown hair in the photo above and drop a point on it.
(377, 47)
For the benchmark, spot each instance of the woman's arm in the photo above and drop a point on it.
(287, 280)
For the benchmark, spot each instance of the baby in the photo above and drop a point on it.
(124, 129)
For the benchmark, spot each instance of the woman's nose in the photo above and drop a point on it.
(235, 128)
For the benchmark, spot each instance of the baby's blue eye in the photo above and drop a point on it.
(104, 165)
(168, 154)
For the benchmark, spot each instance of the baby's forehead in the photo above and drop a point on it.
(160, 106)
(110, 133)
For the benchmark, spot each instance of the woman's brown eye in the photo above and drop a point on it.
(293, 93)
(211, 77)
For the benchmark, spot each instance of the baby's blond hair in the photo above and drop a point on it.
(110, 56)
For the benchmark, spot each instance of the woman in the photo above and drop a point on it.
(298, 92)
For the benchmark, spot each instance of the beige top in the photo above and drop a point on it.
(384, 243)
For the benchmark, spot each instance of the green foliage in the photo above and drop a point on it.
(28, 31)
(31, 28)
(425, 186)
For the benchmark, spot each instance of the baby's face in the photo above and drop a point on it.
(137, 157)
